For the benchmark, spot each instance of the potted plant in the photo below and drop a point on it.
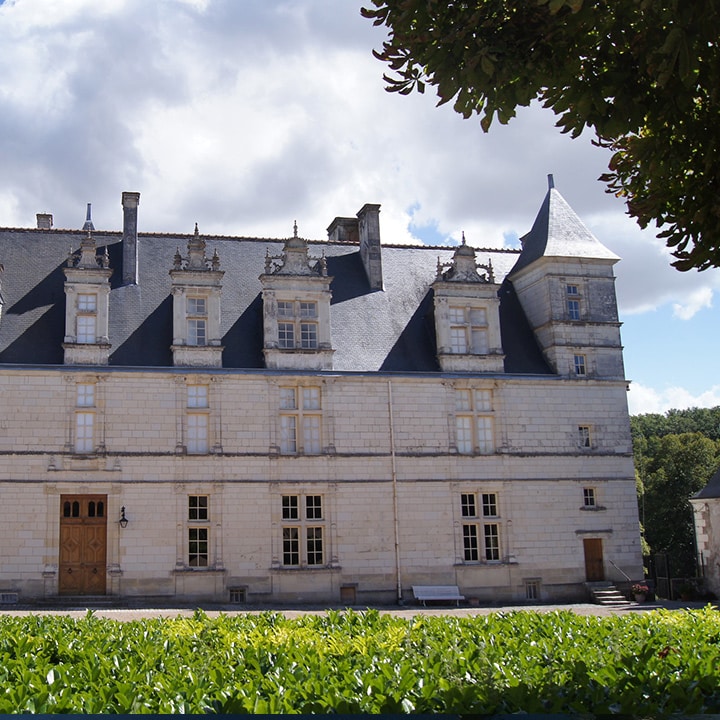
(640, 591)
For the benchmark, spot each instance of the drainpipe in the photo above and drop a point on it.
(395, 495)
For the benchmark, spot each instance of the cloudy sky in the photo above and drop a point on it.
(246, 115)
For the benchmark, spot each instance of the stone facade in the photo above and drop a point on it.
(333, 422)
(706, 513)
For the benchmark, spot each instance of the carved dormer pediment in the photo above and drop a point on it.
(196, 291)
(296, 308)
(87, 296)
(467, 319)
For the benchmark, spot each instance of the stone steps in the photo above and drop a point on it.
(608, 595)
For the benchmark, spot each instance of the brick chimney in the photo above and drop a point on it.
(130, 202)
(369, 231)
(44, 221)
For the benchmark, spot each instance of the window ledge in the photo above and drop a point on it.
(201, 570)
(305, 568)
(595, 508)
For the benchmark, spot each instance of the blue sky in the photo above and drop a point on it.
(247, 116)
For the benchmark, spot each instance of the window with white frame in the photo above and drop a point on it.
(480, 539)
(303, 530)
(580, 365)
(468, 330)
(197, 319)
(198, 531)
(584, 436)
(573, 302)
(86, 319)
(300, 420)
(474, 422)
(84, 417)
(297, 324)
(589, 499)
(197, 419)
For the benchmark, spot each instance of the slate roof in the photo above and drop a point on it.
(372, 330)
(559, 232)
(711, 490)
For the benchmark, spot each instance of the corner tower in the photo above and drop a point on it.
(565, 283)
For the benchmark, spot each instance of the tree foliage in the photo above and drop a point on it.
(676, 454)
(643, 74)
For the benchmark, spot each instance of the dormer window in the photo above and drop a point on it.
(296, 309)
(468, 330)
(86, 318)
(197, 321)
(297, 325)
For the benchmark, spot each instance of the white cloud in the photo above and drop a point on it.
(695, 302)
(643, 399)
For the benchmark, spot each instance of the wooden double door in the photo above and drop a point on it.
(83, 544)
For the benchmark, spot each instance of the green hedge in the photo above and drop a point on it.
(649, 663)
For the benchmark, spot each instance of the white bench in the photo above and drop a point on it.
(437, 592)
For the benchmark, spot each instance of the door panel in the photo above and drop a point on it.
(83, 544)
(594, 566)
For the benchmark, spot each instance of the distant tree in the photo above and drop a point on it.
(671, 469)
(675, 422)
(645, 76)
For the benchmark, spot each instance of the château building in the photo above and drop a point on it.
(261, 420)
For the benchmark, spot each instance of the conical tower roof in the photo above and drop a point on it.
(559, 233)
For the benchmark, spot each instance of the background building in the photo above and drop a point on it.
(246, 419)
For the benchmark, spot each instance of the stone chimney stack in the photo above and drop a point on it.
(369, 232)
(130, 202)
(44, 221)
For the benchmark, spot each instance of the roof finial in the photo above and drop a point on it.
(88, 219)
(295, 228)
(463, 237)
(551, 182)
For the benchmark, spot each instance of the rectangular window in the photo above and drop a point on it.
(196, 307)
(309, 527)
(589, 497)
(197, 332)
(468, 505)
(286, 335)
(464, 435)
(87, 303)
(492, 542)
(314, 546)
(313, 507)
(470, 543)
(294, 330)
(468, 330)
(198, 547)
(579, 364)
(308, 310)
(300, 422)
(290, 507)
(584, 439)
(85, 395)
(86, 332)
(573, 302)
(485, 442)
(573, 309)
(84, 432)
(288, 434)
(197, 396)
(474, 433)
(532, 589)
(291, 546)
(489, 505)
(285, 309)
(308, 336)
(198, 507)
(197, 433)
